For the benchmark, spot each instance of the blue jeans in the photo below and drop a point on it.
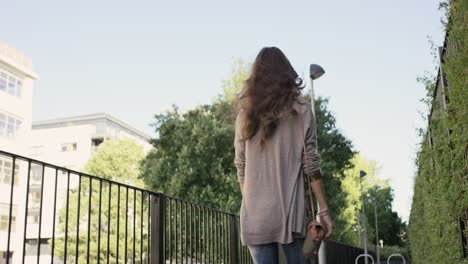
(268, 253)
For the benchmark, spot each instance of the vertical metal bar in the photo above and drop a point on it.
(202, 229)
(53, 218)
(197, 230)
(40, 216)
(78, 220)
(26, 210)
(212, 235)
(203, 246)
(157, 229)
(108, 221)
(66, 219)
(226, 229)
(218, 236)
(185, 234)
(210, 240)
(99, 223)
(226, 237)
(149, 229)
(118, 223)
(141, 228)
(126, 222)
(233, 240)
(221, 237)
(170, 231)
(134, 224)
(176, 232)
(215, 236)
(226, 240)
(183, 249)
(89, 218)
(190, 232)
(10, 210)
(182, 233)
(210, 232)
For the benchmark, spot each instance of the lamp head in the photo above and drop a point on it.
(316, 71)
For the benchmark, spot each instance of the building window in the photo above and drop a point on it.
(4, 255)
(34, 201)
(9, 125)
(35, 176)
(95, 142)
(67, 147)
(4, 217)
(6, 166)
(3, 81)
(10, 84)
(33, 216)
(19, 88)
(31, 246)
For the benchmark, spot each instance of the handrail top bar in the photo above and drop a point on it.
(50, 165)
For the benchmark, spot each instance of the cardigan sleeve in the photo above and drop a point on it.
(312, 161)
(239, 146)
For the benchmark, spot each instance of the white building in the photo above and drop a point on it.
(16, 89)
(68, 142)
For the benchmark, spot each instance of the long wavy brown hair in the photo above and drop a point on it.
(268, 94)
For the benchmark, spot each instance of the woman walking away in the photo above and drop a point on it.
(272, 125)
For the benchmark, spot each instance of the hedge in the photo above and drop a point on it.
(441, 182)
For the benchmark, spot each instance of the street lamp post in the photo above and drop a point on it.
(315, 72)
(358, 217)
(377, 250)
(361, 175)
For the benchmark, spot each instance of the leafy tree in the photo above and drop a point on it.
(391, 227)
(118, 161)
(231, 87)
(353, 187)
(193, 155)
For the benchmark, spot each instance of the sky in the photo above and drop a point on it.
(134, 59)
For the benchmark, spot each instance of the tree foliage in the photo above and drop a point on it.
(391, 227)
(193, 156)
(118, 161)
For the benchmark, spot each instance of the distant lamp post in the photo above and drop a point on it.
(361, 175)
(358, 228)
(377, 250)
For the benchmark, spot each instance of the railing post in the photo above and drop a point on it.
(234, 239)
(158, 207)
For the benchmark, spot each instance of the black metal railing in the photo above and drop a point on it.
(340, 253)
(51, 214)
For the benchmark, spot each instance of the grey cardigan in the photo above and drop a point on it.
(273, 204)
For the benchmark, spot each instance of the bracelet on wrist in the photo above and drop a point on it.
(323, 213)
